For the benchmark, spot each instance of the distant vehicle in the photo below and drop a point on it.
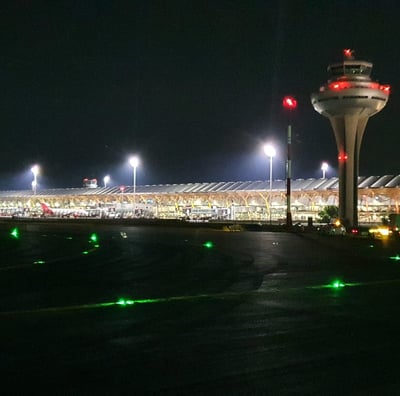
(299, 227)
(382, 231)
(202, 214)
(16, 215)
(333, 229)
(90, 183)
(360, 231)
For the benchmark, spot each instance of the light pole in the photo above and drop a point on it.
(35, 171)
(134, 162)
(289, 103)
(106, 180)
(324, 168)
(270, 152)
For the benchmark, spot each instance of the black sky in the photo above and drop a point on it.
(192, 87)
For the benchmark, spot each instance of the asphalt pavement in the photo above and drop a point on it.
(115, 310)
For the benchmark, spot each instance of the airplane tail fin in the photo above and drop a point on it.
(46, 209)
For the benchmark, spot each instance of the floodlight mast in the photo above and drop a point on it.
(289, 103)
(324, 168)
(270, 152)
(35, 171)
(348, 99)
(134, 162)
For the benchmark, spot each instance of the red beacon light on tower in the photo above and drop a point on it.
(289, 102)
(348, 53)
(385, 88)
(339, 85)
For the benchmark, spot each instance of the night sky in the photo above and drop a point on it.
(194, 88)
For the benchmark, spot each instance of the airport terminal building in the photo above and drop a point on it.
(247, 201)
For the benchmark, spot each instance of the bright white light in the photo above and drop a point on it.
(324, 168)
(269, 150)
(35, 170)
(134, 162)
(106, 180)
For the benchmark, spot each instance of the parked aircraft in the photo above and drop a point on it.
(59, 212)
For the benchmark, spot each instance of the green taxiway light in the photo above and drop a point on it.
(94, 238)
(395, 258)
(15, 233)
(337, 284)
(86, 252)
(39, 262)
(208, 245)
(125, 302)
(121, 302)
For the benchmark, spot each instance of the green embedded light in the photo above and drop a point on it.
(208, 245)
(15, 233)
(337, 284)
(124, 302)
(395, 258)
(94, 238)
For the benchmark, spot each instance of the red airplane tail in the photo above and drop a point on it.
(46, 209)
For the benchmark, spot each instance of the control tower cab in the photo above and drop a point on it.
(348, 99)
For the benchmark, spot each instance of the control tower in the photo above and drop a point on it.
(348, 99)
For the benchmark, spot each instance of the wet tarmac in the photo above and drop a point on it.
(109, 310)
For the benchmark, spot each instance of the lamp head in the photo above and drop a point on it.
(269, 150)
(134, 162)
